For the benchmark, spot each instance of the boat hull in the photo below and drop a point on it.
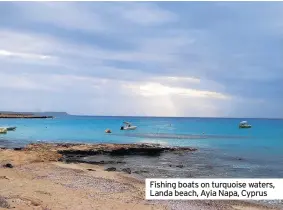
(245, 126)
(8, 128)
(129, 128)
(11, 128)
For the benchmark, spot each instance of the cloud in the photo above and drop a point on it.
(146, 14)
(68, 16)
(179, 59)
(23, 55)
(22, 82)
(100, 17)
(157, 89)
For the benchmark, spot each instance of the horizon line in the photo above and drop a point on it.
(88, 115)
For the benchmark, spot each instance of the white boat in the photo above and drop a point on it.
(128, 126)
(9, 128)
(244, 124)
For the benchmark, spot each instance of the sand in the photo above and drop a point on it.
(39, 181)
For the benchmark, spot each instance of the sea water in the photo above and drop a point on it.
(224, 150)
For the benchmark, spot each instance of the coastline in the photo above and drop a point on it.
(50, 176)
(24, 116)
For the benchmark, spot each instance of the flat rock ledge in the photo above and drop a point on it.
(109, 149)
(69, 149)
(75, 153)
(123, 149)
(69, 152)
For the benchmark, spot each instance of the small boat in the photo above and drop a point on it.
(128, 126)
(108, 131)
(3, 130)
(9, 128)
(244, 124)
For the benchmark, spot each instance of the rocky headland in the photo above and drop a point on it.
(19, 115)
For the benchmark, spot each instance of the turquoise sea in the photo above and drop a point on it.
(223, 148)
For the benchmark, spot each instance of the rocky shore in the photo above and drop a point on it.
(59, 176)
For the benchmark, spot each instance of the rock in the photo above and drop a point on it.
(147, 151)
(110, 169)
(8, 165)
(18, 148)
(141, 171)
(90, 169)
(127, 170)
(179, 166)
(82, 153)
(209, 167)
(4, 177)
(75, 153)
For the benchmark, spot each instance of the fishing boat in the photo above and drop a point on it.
(9, 128)
(128, 126)
(244, 124)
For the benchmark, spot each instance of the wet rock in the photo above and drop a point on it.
(117, 149)
(76, 153)
(127, 170)
(8, 165)
(210, 167)
(140, 171)
(150, 151)
(73, 152)
(179, 166)
(94, 162)
(110, 169)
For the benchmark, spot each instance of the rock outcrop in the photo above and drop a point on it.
(106, 153)
(18, 115)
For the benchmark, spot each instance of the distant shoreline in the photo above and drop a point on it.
(26, 116)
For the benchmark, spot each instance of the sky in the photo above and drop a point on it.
(177, 59)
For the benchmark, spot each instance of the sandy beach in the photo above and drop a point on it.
(38, 179)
